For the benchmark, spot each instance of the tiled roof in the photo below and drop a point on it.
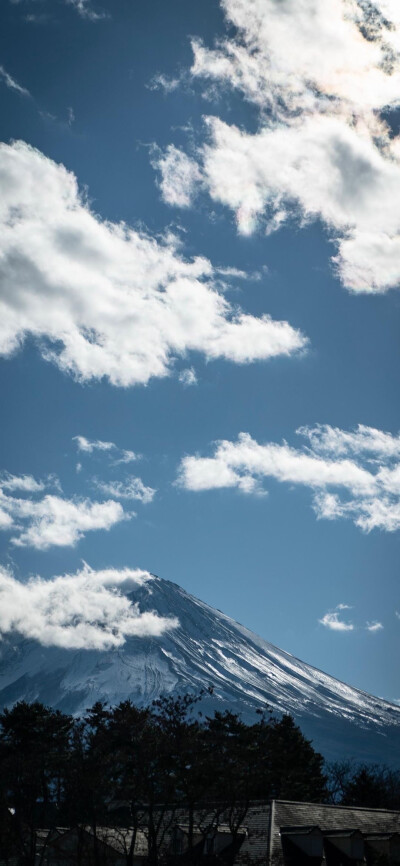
(117, 838)
(332, 820)
(120, 839)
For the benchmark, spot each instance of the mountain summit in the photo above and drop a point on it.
(207, 648)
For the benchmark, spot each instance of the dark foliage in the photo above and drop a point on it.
(136, 767)
(368, 785)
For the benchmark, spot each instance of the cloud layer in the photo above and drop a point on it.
(321, 76)
(105, 300)
(354, 475)
(86, 610)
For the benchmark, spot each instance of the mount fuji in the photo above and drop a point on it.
(207, 648)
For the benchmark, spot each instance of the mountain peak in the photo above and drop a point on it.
(206, 648)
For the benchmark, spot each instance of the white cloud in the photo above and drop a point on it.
(374, 626)
(86, 610)
(6, 521)
(179, 176)
(331, 440)
(321, 74)
(163, 82)
(11, 83)
(105, 300)
(85, 10)
(56, 522)
(25, 483)
(243, 275)
(331, 620)
(302, 56)
(365, 488)
(130, 488)
(90, 445)
(126, 456)
(318, 167)
(232, 459)
(379, 512)
(188, 377)
(51, 520)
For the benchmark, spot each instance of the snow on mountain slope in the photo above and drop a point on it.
(208, 648)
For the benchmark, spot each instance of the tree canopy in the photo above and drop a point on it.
(130, 766)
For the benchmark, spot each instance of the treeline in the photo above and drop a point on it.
(117, 766)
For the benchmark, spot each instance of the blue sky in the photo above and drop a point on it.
(243, 147)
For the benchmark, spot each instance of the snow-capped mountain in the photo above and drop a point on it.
(207, 648)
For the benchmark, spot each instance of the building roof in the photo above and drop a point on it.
(117, 838)
(333, 821)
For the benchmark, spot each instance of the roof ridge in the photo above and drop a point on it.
(339, 806)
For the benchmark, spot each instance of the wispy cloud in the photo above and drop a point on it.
(11, 83)
(149, 307)
(119, 455)
(164, 82)
(36, 18)
(57, 522)
(236, 273)
(362, 485)
(333, 622)
(363, 440)
(125, 456)
(48, 521)
(86, 9)
(87, 610)
(129, 488)
(87, 446)
(24, 483)
(6, 521)
(321, 77)
(188, 377)
(380, 511)
(179, 174)
(374, 626)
